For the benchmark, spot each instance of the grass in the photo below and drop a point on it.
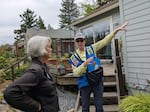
(139, 102)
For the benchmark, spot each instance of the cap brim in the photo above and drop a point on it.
(79, 38)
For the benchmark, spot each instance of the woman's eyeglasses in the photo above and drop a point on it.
(81, 40)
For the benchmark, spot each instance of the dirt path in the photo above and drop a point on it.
(4, 85)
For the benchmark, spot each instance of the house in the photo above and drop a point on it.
(99, 24)
(61, 39)
(136, 42)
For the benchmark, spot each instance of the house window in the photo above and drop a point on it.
(101, 30)
(89, 35)
(97, 31)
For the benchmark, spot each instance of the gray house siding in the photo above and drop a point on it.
(136, 41)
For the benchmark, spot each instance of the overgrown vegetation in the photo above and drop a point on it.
(17, 72)
(6, 56)
(139, 102)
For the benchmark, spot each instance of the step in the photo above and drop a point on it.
(107, 108)
(109, 78)
(110, 84)
(107, 94)
(108, 98)
(110, 108)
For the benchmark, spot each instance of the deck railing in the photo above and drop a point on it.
(13, 66)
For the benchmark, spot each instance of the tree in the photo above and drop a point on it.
(69, 13)
(28, 21)
(40, 23)
(103, 2)
(88, 8)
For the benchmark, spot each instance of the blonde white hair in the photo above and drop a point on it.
(36, 46)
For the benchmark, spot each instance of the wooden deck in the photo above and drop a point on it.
(70, 79)
(109, 72)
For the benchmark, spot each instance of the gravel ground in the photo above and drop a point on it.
(67, 100)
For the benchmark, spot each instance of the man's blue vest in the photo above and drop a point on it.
(75, 60)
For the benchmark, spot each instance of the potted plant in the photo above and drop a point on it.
(139, 102)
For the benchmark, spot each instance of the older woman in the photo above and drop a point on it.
(35, 90)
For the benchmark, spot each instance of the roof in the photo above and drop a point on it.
(53, 33)
(98, 11)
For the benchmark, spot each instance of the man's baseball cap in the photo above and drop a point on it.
(79, 35)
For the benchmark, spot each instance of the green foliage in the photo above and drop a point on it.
(2, 75)
(66, 55)
(69, 13)
(139, 102)
(40, 23)
(103, 2)
(88, 8)
(17, 72)
(28, 20)
(6, 57)
(1, 96)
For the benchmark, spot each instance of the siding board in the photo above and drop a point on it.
(138, 48)
(139, 19)
(138, 60)
(132, 81)
(142, 82)
(144, 77)
(138, 37)
(139, 25)
(139, 71)
(137, 8)
(126, 2)
(139, 54)
(144, 12)
(139, 65)
(139, 43)
(141, 79)
(138, 31)
(135, 3)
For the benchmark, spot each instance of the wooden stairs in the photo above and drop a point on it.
(111, 92)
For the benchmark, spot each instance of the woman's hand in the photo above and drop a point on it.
(88, 61)
(122, 27)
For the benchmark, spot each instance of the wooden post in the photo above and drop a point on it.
(12, 73)
(119, 69)
(17, 53)
(77, 102)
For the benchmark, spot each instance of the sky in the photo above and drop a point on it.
(11, 9)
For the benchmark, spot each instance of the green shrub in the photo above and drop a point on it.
(2, 76)
(1, 96)
(139, 102)
(17, 72)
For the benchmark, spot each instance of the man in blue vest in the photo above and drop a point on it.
(82, 60)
